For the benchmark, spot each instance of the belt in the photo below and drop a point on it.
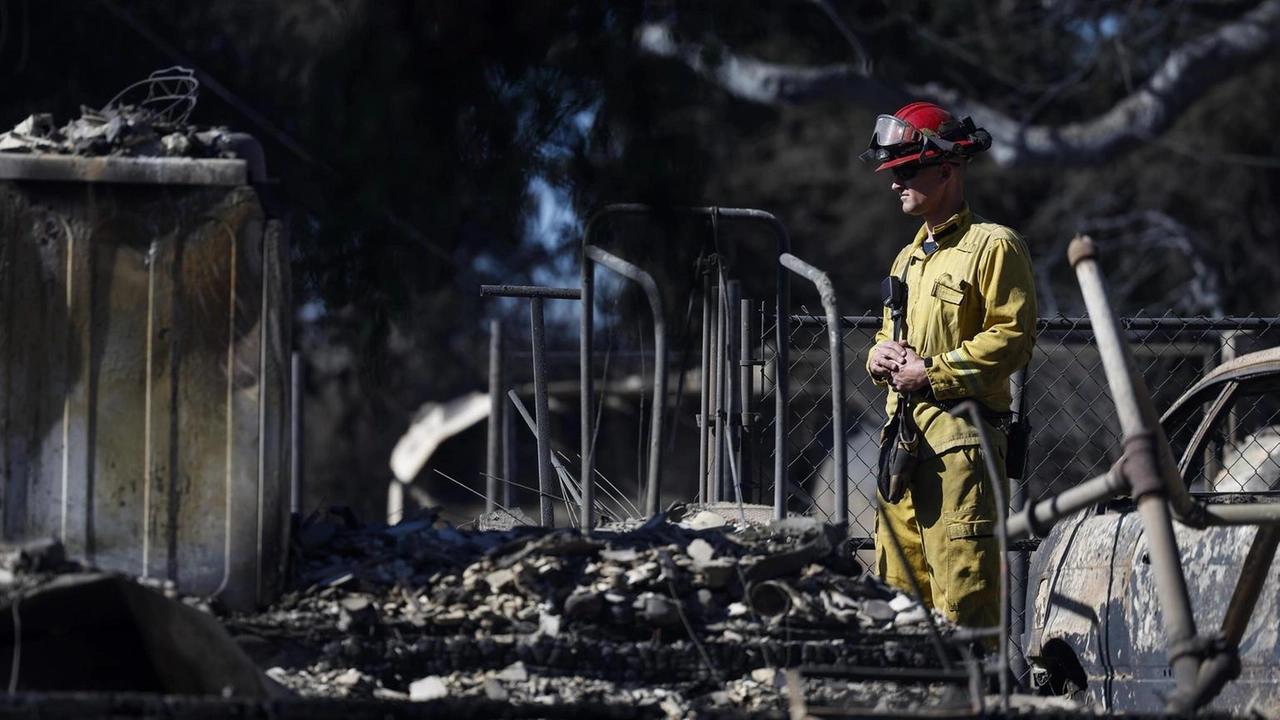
(999, 420)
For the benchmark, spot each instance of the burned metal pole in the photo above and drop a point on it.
(298, 370)
(717, 461)
(732, 346)
(508, 458)
(497, 409)
(704, 399)
(586, 378)
(542, 413)
(744, 391)
(1144, 443)
(1019, 563)
(838, 443)
(536, 295)
(650, 287)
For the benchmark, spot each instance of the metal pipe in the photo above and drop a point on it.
(1171, 586)
(770, 599)
(496, 407)
(1127, 386)
(744, 396)
(733, 435)
(297, 373)
(1149, 467)
(531, 291)
(650, 287)
(704, 407)
(1038, 518)
(717, 463)
(782, 332)
(1256, 514)
(508, 454)
(542, 412)
(781, 387)
(994, 476)
(827, 294)
(586, 377)
(1019, 564)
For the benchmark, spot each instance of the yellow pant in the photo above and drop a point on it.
(946, 524)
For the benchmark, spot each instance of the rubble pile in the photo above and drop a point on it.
(664, 615)
(125, 131)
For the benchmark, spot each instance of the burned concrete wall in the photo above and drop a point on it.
(143, 369)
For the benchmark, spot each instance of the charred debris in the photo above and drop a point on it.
(686, 614)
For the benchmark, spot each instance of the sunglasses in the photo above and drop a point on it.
(903, 173)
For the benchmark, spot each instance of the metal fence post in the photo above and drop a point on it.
(838, 443)
(1018, 564)
(536, 295)
(717, 464)
(298, 382)
(745, 365)
(733, 436)
(646, 281)
(704, 399)
(542, 412)
(497, 388)
(508, 456)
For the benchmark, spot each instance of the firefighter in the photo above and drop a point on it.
(967, 325)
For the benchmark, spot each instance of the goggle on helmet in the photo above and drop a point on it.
(924, 133)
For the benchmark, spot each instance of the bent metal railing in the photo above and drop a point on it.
(782, 299)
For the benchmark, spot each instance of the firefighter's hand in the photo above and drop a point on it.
(911, 374)
(887, 358)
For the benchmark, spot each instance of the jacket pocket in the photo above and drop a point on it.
(949, 291)
(946, 311)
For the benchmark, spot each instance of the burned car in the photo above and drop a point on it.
(1096, 629)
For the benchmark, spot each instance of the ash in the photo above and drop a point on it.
(667, 618)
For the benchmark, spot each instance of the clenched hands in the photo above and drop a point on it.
(897, 363)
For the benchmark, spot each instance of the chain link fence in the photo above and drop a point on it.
(1075, 433)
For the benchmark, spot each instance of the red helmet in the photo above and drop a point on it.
(925, 133)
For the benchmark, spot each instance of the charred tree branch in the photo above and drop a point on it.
(1150, 110)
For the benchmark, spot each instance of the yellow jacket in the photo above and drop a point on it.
(971, 312)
